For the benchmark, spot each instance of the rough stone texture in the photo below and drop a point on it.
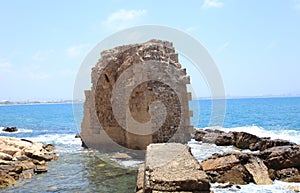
(288, 175)
(242, 140)
(170, 167)
(128, 65)
(20, 158)
(140, 178)
(259, 171)
(237, 175)
(221, 163)
(281, 157)
(237, 168)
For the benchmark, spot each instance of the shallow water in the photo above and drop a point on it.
(82, 171)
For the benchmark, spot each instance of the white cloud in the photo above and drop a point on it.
(75, 51)
(212, 4)
(297, 4)
(123, 18)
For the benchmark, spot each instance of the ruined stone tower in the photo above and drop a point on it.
(138, 96)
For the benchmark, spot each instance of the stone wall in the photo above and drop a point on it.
(138, 96)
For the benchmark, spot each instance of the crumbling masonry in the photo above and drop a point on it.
(138, 96)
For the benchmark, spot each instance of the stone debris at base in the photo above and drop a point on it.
(21, 158)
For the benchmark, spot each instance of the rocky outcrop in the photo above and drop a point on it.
(10, 129)
(21, 158)
(282, 157)
(137, 86)
(237, 168)
(242, 140)
(170, 167)
(276, 159)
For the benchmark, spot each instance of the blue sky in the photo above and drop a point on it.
(255, 44)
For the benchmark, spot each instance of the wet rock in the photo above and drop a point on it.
(236, 175)
(6, 180)
(225, 139)
(288, 175)
(198, 134)
(49, 147)
(10, 129)
(281, 157)
(5, 156)
(243, 139)
(259, 171)
(266, 143)
(20, 157)
(40, 169)
(27, 174)
(219, 162)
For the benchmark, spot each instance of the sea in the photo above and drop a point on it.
(82, 170)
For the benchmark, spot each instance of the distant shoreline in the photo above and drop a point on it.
(38, 103)
(7, 103)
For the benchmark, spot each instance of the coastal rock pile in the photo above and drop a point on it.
(273, 159)
(21, 158)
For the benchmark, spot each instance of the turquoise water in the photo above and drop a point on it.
(78, 170)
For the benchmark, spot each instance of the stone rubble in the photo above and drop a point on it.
(21, 158)
(275, 159)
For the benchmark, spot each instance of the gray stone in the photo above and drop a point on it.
(171, 167)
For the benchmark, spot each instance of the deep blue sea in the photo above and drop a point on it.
(78, 170)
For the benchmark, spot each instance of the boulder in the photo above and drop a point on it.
(220, 162)
(5, 156)
(243, 139)
(266, 143)
(171, 167)
(281, 157)
(288, 175)
(40, 169)
(225, 139)
(6, 180)
(259, 171)
(236, 175)
(10, 129)
(198, 134)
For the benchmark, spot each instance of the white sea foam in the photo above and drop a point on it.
(57, 139)
(130, 163)
(277, 187)
(291, 135)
